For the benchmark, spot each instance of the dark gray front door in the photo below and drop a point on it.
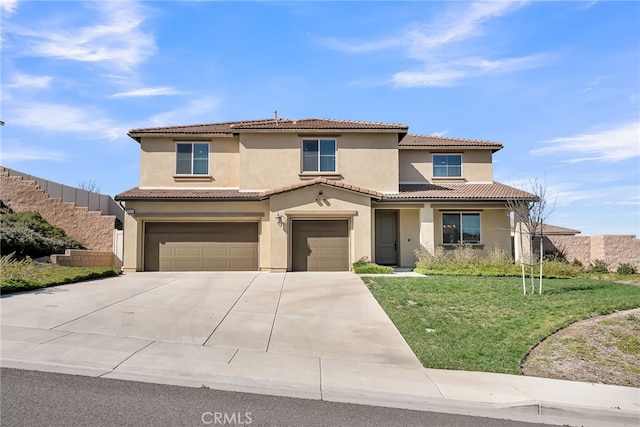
(386, 237)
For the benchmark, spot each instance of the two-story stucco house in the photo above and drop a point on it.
(311, 194)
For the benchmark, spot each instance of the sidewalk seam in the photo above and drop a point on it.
(56, 338)
(128, 357)
(320, 371)
(230, 308)
(275, 314)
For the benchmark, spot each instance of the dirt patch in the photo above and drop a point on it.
(602, 349)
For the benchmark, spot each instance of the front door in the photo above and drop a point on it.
(386, 237)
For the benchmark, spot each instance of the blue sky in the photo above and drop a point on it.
(556, 82)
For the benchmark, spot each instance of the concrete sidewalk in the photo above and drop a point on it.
(299, 335)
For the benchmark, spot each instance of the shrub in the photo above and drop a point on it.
(599, 266)
(19, 271)
(372, 268)
(27, 234)
(466, 261)
(363, 266)
(627, 268)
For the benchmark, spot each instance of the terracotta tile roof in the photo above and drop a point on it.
(266, 124)
(440, 141)
(317, 123)
(462, 192)
(415, 192)
(137, 193)
(209, 128)
(325, 181)
(549, 230)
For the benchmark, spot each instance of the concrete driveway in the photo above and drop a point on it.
(282, 330)
(312, 335)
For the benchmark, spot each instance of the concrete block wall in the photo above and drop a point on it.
(618, 249)
(84, 258)
(614, 249)
(92, 229)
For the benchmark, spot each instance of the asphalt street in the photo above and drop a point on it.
(31, 398)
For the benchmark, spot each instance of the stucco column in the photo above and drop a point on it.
(427, 237)
(131, 261)
(521, 243)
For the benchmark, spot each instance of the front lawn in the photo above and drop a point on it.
(486, 323)
(24, 275)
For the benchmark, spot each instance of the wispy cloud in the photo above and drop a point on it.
(23, 154)
(442, 133)
(147, 92)
(114, 36)
(62, 118)
(611, 145)
(199, 109)
(8, 6)
(20, 80)
(439, 47)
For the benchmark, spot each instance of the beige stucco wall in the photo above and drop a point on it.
(191, 211)
(495, 229)
(416, 165)
(158, 163)
(273, 160)
(409, 239)
(300, 204)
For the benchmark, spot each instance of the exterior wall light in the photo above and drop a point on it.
(278, 218)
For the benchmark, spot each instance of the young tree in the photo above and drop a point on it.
(529, 216)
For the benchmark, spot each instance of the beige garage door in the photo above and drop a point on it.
(201, 246)
(320, 245)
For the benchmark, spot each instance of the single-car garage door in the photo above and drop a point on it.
(201, 246)
(320, 245)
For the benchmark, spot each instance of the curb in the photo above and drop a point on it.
(524, 411)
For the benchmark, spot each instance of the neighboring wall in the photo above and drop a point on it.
(92, 229)
(614, 249)
(79, 197)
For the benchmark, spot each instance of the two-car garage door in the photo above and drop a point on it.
(317, 245)
(201, 246)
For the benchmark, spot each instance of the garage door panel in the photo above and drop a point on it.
(321, 245)
(201, 246)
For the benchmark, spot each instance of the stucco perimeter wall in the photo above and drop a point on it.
(92, 229)
(300, 204)
(614, 249)
(167, 211)
(82, 258)
(273, 160)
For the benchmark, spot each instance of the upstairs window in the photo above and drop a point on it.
(460, 228)
(447, 165)
(192, 158)
(318, 155)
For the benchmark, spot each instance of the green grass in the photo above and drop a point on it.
(486, 323)
(16, 276)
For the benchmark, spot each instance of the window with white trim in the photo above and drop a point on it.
(192, 158)
(319, 155)
(461, 228)
(447, 165)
